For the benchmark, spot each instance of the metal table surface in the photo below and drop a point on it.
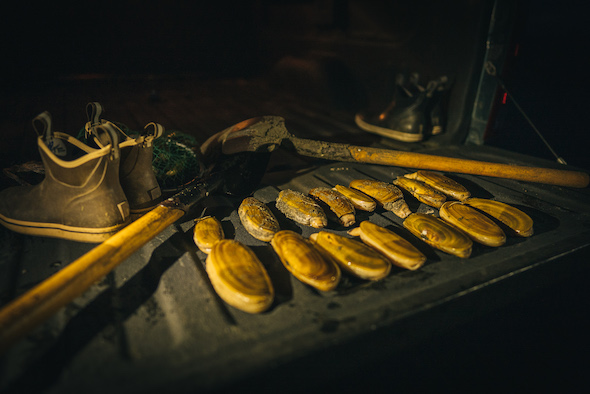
(155, 324)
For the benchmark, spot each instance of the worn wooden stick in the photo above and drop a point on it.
(423, 161)
(38, 304)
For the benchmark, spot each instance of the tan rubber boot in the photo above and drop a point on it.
(135, 171)
(80, 197)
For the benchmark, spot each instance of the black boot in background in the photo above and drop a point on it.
(413, 114)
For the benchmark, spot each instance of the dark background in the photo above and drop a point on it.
(548, 77)
(536, 340)
(45, 41)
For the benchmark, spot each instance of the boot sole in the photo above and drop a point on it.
(53, 230)
(395, 134)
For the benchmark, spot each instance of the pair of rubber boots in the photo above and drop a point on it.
(90, 190)
(413, 113)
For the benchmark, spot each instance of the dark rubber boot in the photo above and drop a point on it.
(403, 119)
(413, 114)
(437, 88)
(80, 197)
(135, 172)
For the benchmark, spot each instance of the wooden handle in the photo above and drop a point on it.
(361, 154)
(464, 166)
(38, 304)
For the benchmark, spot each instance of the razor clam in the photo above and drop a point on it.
(393, 246)
(387, 195)
(340, 206)
(517, 222)
(207, 232)
(258, 219)
(439, 234)
(238, 277)
(304, 261)
(475, 224)
(353, 256)
(359, 199)
(441, 183)
(301, 209)
(421, 191)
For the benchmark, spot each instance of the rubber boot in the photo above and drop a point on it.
(437, 89)
(135, 171)
(80, 197)
(403, 119)
(432, 98)
(413, 114)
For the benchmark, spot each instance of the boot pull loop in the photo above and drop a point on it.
(42, 125)
(431, 87)
(94, 111)
(153, 130)
(112, 134)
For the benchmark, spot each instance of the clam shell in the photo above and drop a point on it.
(339, 205)
(238, 277)
(207, 232)
(475, 224)
(258, 219)
(353, 256)
(390, 197)
(518, 222)
(441, 183)
(421, 191)
(393, 246)
(439, 234)
(304, 261)
(359, 199)
(301, 209)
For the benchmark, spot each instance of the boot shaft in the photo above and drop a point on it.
(135, 172)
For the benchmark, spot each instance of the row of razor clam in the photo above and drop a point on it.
(241, 280)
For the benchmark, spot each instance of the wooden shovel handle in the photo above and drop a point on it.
(361, 154)
(38, 304)
(464, 166)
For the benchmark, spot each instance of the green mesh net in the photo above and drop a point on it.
(175, 162)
